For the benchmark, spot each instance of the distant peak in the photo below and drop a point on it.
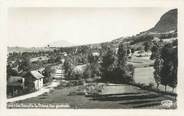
(167, 22)
(61, 43)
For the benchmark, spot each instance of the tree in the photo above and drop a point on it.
(125, 72)
(158, 67)
(93, 68)
(47, 73)
(147, 46)
(93, 58)
(104, 48)
(141, 39)
(128, 51)
(11, 72)
(169, 69)
(88, 73)
(58, 59)
(140, 48)
(173, 79)
(108, 65)
(25, 64)
(122, 55)
(156, 50)
(68, 67)
(51, 59)
(130, 72)
(132, 50)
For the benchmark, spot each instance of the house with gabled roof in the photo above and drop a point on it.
(33, 80)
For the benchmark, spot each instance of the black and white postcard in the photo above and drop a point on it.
(92, 56)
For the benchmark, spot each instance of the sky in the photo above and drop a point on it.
(37, 27)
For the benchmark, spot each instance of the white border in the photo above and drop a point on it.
(4, 5)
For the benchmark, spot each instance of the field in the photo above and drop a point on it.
(113, 97)
(145, 75)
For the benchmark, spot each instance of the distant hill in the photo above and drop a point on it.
(167, 22)
(61, 43)
(30, 49)
(49, 47)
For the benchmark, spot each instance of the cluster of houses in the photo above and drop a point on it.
(30, 81)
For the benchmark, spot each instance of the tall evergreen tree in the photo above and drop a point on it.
(108, 65)
(124, 71)
(169, 70)
(158, 67)
(68, 67)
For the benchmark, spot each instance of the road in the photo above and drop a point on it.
(43, 90)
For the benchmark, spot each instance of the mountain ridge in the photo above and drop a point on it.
(167, 22)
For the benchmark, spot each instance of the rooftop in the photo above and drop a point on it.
(36, 74)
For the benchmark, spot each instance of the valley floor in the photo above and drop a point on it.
(113, 97)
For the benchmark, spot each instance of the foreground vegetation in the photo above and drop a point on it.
(112, 96)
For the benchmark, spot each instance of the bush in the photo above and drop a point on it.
(76, 75)
(151, 85)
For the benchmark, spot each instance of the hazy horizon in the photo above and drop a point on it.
(37, 27)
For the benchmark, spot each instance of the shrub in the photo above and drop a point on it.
(151, 85)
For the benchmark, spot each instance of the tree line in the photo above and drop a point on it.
(166, 64)
(106, 64)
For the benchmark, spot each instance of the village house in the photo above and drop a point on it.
(15, 85)
(33, 80)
